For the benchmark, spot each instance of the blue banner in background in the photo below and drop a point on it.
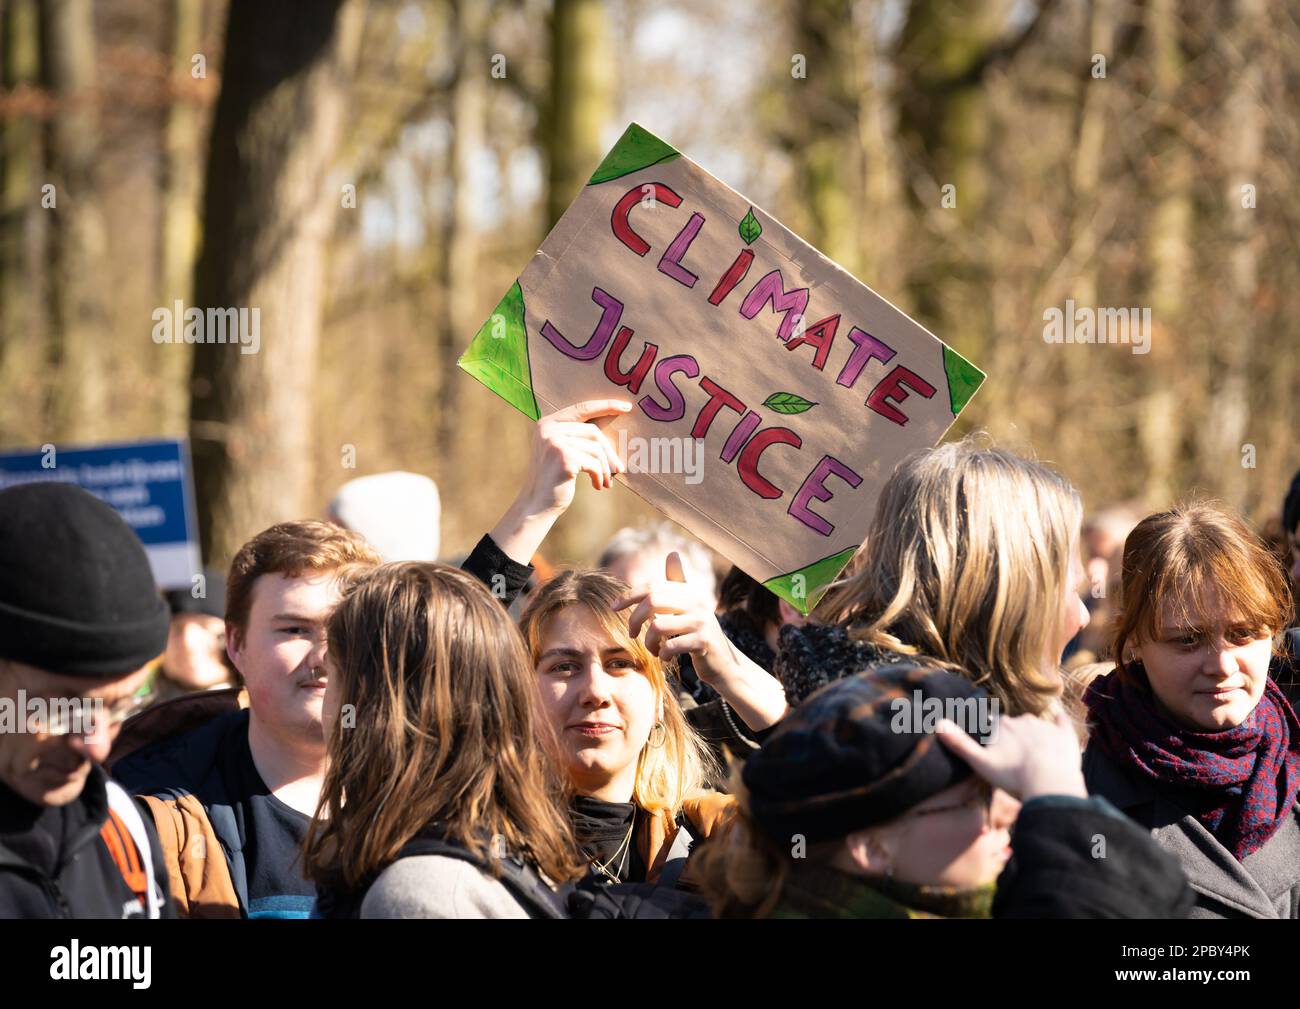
(150, 483)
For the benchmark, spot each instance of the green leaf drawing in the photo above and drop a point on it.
(787, 402)
(750, 229)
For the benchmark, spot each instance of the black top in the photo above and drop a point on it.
(603, 829)
(273, 838)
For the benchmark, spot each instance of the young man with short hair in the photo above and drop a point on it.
(232, 798)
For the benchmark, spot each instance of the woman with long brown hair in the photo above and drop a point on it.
(1189, 735)
(442, 797)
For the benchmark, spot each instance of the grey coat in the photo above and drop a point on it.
(1265, 885)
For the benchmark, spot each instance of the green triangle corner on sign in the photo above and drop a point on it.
(637, 148)
(804, 588)
(963, 379)
(498, 354)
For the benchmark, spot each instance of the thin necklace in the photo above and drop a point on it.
(623, 849)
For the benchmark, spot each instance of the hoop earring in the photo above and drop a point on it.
(658, 741)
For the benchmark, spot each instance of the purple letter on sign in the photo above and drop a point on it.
(664, 372)
(670, 263)
(865, 348)
(612, 310)
(815, 487)
(772, 288)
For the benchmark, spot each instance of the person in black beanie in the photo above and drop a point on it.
(196, 643)
(80, 622)
(870, 801)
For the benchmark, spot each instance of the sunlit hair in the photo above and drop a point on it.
(291, 549)
(967, 563)
(742, 873)
(439, 724)
(666, 775)
(1178, 561)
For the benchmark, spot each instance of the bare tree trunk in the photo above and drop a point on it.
(78, 400)
(582, 81)
(268, 209)
(1084, 227)
(879, 219)
(460, 238)
(1167, 251)
(22, 225)
(1228, 420)
(821, 128)
(181, 188)
(944, 52)
(579, 107)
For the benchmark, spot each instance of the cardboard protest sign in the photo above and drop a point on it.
(775, 392)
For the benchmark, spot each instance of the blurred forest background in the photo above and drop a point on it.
(1125, 153)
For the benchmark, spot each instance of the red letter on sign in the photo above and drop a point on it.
(748, 464)
(894, 386)
(718, 398)
(618, 220)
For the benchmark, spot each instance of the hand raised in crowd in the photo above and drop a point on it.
(1028, 756)
(680, 620)
(566, 444)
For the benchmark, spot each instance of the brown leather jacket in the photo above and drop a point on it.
(200, 878)
(706, 815)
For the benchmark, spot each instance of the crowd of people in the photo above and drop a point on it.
(335, 733)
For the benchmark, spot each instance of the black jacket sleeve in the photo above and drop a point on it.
(1082, 858)
(505, 578)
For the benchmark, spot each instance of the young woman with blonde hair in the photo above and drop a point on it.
(1189, 735)
(971, 565)
(637, 769)
(443, 796)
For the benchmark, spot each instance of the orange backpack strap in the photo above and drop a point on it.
(117, 838)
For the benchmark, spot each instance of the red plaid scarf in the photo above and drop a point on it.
(1240, 783)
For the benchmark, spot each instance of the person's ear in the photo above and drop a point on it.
(871, 852)
(234, 646)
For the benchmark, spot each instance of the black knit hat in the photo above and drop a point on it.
(860, 752)
(77, 595)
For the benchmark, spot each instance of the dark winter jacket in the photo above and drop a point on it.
(55, 861)
(1265, 885)
(1082, 858)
